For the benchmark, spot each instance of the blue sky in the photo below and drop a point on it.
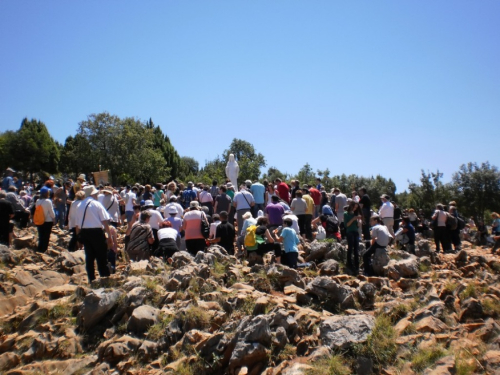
(363, 87)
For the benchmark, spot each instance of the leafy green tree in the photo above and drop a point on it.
(7, 154)
(35, 149)
(162, 142)
(306, 175)
(189, 168)
(125, 147)
(477, 188)
(273, 173)
(430, 192)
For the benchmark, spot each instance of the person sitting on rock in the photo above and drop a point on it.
(409, 230)
(380, 238)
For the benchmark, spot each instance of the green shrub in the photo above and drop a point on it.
(425, 358)
(334, 365)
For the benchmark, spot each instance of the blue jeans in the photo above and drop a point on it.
(256, 208)
(61, 214)
(130, 215)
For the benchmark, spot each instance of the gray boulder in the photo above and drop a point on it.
(342, 332)
(181, 258)
(326, 288)
(366, 295)
(96, 305)
(318, 250)
(380, 260)
(142, 318)
(329, 268)
(423, 248)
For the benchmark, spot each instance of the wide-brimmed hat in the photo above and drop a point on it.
(247, 215)
(148, 203)
(194, 204)
(107, 189)
(172, 210)
(10, 170)
(81, 177)
(90, 190)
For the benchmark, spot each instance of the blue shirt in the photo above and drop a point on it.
(258, 190)
(290, 240)
(7, 182)
(176, 223)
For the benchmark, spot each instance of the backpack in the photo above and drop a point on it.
(332, 224)
(451, 222)
(250, 237)
(39, 216)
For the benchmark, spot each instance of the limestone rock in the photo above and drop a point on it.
(142, 318)
(329, 268)
(96, 305)
(318, 250)
(341, 332)
(380, 260)
(324, 287)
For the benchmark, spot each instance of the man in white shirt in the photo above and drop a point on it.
(130, 202)
(173, 203)
(380, 239)
(386, 213)
(295, 221)
(154, 222)
(92, 221)
(111, 203)
(243, 202)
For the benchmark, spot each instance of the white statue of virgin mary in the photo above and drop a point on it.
(232, 171)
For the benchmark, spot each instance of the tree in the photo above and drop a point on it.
(430, 192)
(306, 175)
(126, 147)
(477, 188)
(188, 168)
(273, 173)
(162, 142)
(248, 159)
(7, 154)
(35, 149)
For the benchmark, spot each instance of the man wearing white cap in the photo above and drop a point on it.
(173, 204)
(92, 222)
(176, 222)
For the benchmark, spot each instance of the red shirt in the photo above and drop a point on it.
(283, 192)
(315, 195)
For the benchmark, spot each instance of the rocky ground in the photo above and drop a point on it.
(213, 314)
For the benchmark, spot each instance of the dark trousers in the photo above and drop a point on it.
(256, 208)
(353, 249)
(23, 218)
(442, 236)
(397, 223)
(155, 244)
(455, 239)
(302, 224)
(166, 248)
(367, 258)
(230, 216)
(290, 259)
(267, 247)
(308, 229)
(44, 231)
(193, 246)
(366, 225)
(73, 241)
(96, 249)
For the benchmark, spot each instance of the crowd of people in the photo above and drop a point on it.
(256, 217)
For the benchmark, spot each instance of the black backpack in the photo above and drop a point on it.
(332, 224)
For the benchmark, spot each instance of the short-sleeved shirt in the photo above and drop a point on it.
(129, 206)
(340, 202)
(381, 233)
(275, 213)
(138, 243)
(223, 203)
(299, 206)
(93, 217)
(258, 191)
(192, 224)
(225, 232)
(283, 192)
(165, 233)
(315, 195)
(157, 197)
(366, 202)
(243, 200)
(310, 204)
(176, 222)
(290, 240)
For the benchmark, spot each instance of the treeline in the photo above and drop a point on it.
(136, 151)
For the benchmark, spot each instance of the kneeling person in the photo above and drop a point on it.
(167, 237)
(224, 234)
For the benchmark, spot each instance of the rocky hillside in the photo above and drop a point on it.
(213, 314)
